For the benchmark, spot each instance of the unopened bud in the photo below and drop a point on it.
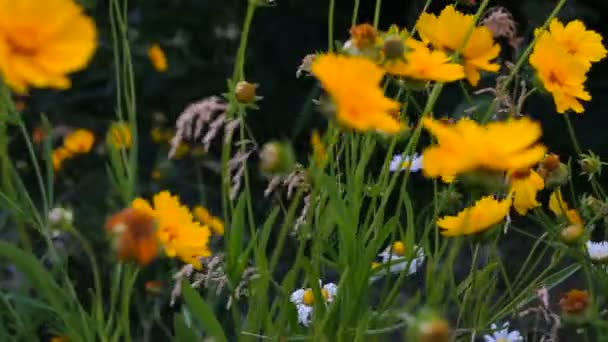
(245, 92)
(61, 218)
(436, 330)
(557, 177)
(572, 234)
(590, 164)
(394, 48)
(277, 157)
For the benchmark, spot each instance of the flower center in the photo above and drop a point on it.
(554, 78)
(22, 42)
(309, 298)
(398, 248)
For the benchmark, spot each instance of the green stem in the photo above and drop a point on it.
(377, 13)
(577, 147)
(355, 16)
(330, 25)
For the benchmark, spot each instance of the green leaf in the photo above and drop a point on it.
(203, 312)
(183, 333)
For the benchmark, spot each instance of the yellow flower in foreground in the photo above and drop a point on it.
(204, 216)
(482, 215)
(560, 73)
(353, 83)
(560, 208)
(468, 146)
(119, 135)
(158, 58)
(58, 156)
(420, 63)
(79, 141)
(42, 41)
(524, 186)
(179, 234)
(582, 44)
(448, 31)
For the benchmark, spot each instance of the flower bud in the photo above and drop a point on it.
(393, 48)
(277, 157)
(590, 164)
(572, 234)
(557, 177)
(245, 92)
(436, 330)
(61, 218)
(575, 305)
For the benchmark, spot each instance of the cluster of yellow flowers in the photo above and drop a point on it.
(562, 56)
(79, 141)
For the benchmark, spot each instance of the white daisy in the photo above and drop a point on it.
(399, 163)
(396, 256)
(598, 251)
(503, 335)
(303, 299)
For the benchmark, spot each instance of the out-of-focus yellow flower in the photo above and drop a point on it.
(160, 135)
(42, 41)
(353, 83)
(560, 208)
(179, 234)
(448, 31)
(318, 150)
(468, 146)
(582, 44)
(119, 135)
(482, 215)
(204, 216)
(133, 235)
(421, 64)
(181, 151)
(58, 156)
(158, 58)
(560, 73)
(79, 141)
(524, 186)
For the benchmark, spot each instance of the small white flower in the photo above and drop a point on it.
(60, 217)
(399, 163)
(303, 299)
(598, 251)
(503, 335)
(395, 255)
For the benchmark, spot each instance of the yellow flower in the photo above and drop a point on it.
(353, 85)
(42, 41)
(485, 213)
(468, 146)
(524, 186)
(584, 45)
(79, 141)
(181, 151)
(448, 32)
(58, 156)
(420, 63)
(204, 216)
(157, 58)
(119, 135)
(179, 234)
(560, 73)
(560, 208)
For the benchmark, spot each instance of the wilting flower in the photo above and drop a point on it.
(503, 334)
(398, 260)
(353, 83)
(79, 141)
(158, 58)
(560, 208)
(363, 38)
(179, 234)
(42, 41)
(598, 251)
(560, 73)
(448, 31)
(524, 186)
(304, 300)
(574, 301)
(582, 44)
(119, 135)
(58, 156)
(421, 64)
(413, 163)
(133, 235)
(204, 216)
(468, 146)
(485, 213)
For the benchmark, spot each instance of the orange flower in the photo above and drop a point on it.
(134, 235)
(574, 301)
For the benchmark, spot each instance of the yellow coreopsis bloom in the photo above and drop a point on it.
(485, 213)
(43, 41)
(448, 32)
(119, 135)
(179, 234)
(560, 73)
(422, 64)
(79, 141)
(560, 208)
(204, 216)
(468, 146)
(525, 185)
(582, 44)
(353, 83)
(158, 58)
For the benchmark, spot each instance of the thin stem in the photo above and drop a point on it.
(355, 16)
(377, 13)
(572, 135)
(330, 26)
